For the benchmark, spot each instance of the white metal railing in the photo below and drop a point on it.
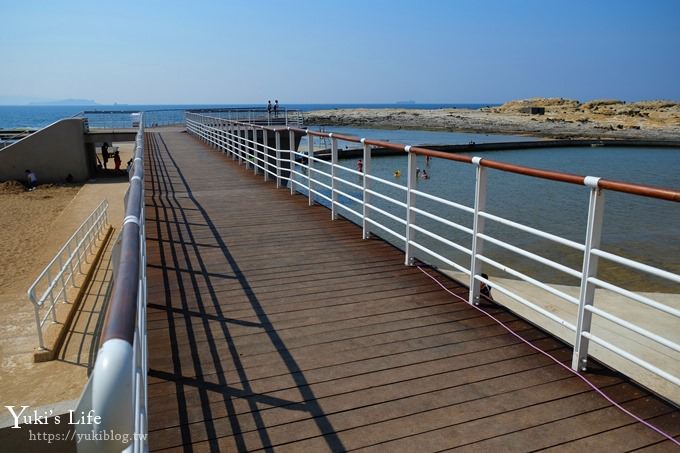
(117, 389)
(54, 282)
(328, 183)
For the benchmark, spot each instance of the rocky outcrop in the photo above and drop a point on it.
(563, 118)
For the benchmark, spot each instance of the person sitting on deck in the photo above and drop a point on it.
(484, 289)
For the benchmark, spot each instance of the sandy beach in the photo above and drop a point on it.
(33, 226)
(563, 118)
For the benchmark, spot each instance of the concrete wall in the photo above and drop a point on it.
(52, 153)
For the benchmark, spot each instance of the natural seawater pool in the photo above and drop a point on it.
(635, 227)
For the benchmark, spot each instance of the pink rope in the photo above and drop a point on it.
(576, 373)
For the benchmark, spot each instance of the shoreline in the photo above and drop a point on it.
(563, 119)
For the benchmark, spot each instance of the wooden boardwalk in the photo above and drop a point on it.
(271, 327)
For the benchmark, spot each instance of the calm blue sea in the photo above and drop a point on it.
(36, 116)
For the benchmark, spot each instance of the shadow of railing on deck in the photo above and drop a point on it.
(193, 281)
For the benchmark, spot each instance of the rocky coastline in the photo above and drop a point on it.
(560, 119)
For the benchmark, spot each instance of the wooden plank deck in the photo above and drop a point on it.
(271, 327)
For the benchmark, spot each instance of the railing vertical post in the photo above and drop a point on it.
(334, 164)
(41, 342)
(365, 230)
(477, 229)
(410, 203)
(232, 150)
(590, 262)
(240, 144)
(310, 155)
(291, 159)
(254, 147)
(277, 145)
(265, 155)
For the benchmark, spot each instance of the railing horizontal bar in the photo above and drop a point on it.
(321, 195)
(442, 239)
(636, 297)
(638, 361)
(533, 231)
(442, 220)
(328, 175)
(386, 182)
(349, 196)
(533, 256)
(351, 184)
(319, 183)
(349, 170)
(526, 278)
(638, 266)
(453, 204)
(321, 161)
(386, 198)
(441, 258)
(633, 327)
(347, 208)
(530, 305)
(386, 214)
(384, 228)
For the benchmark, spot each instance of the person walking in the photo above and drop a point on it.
(105, 153)
(116, 160)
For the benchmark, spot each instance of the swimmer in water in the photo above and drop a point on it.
(397, 173)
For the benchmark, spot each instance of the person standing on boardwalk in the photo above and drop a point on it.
(31, 180)
(269, 108)
(105, 153)
(116, 160)
(276, 108)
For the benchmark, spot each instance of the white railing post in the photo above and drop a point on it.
(477, 229)
(41, 341)
(590, 263)
(239, 144)
(277, 145)
(366, 232)
(265, 156)
(410, 203)
(310, 155)
(291, 159)
(334, 164)
(232, 141)
(254, 148)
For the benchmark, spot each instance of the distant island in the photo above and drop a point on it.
(66, 102)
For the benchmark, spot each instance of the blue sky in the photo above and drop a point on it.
(373, 51)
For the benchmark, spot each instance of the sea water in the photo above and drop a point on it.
(636, 227)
